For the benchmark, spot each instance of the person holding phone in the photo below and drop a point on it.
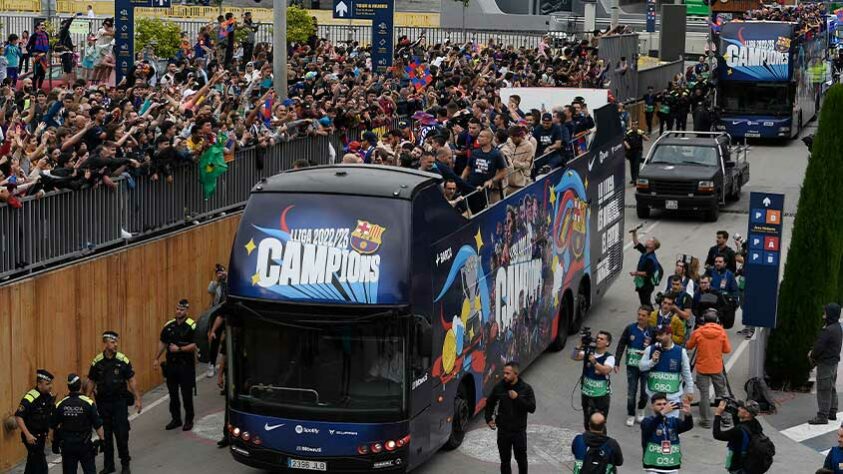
(660, 434)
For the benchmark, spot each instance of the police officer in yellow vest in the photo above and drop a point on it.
(73, 419)
(112, 379)
(180, 368)
(33, 419)
(596, 388)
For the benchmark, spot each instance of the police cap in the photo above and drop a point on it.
(110, 336)
(72, 379)
(42, 374)
(184, 304)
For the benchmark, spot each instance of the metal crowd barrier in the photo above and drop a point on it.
(66, 225)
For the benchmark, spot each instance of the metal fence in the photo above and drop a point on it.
(66, 225)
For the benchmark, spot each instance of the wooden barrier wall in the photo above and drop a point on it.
(55, 320)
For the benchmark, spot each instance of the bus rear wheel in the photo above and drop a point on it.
(460, 419)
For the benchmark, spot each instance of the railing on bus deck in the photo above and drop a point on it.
(579, 144)
(65, 225)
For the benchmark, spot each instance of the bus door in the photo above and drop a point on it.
(421, 388)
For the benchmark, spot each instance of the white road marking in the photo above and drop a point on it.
(805, 431)
(737, 354)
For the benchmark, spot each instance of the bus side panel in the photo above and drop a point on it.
(498, 281)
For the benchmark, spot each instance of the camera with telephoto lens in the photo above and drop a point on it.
(731, 406)
(587, 341)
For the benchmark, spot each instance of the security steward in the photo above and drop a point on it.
(33, 419)
(112, 380)
(72, 421)
(180, 367)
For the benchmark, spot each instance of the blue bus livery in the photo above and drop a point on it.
(368, 319)
(769, 81)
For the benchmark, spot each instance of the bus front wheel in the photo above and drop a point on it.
(460, 419)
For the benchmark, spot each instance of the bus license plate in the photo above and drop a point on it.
(307, 465)
(670, 204)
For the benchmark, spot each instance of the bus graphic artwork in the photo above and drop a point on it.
(507, 294)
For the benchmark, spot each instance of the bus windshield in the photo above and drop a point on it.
(744, 98)
(345, 372)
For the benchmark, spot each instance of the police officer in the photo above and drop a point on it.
(33, 419)
(74, 417)
(180, 367)
(112, 376)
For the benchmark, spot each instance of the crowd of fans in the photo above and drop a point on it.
(86, 131)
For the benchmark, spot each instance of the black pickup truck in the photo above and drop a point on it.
(691, 171)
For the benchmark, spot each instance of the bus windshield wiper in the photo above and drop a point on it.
(274, 388)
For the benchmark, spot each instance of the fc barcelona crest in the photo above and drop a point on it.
(366, 238)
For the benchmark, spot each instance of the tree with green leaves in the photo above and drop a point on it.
(162, 35)
(812, 274)
(299, 25)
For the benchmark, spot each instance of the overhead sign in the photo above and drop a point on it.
(763, 259)
(342, 9)
(382, 14)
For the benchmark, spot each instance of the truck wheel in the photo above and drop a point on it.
(643, 211)
(460, 419)
(713, 214)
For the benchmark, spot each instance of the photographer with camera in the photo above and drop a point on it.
(660, 434)
(635, 338)
(706, 298)
(711, 342)
(598, 365)
(749, 450)
(668, 316)
(648, 272)
(668, 367)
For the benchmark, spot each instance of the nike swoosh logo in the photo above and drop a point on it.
(270, 428)
(591, 163)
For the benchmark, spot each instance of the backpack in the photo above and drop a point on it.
(658, 273)
(597, 460)
(757, 390)
(759, 453)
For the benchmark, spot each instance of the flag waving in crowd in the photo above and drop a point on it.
(212, 165)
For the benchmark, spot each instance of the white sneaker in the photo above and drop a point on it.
(630, 420)
(640, 416)
(211, 371)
